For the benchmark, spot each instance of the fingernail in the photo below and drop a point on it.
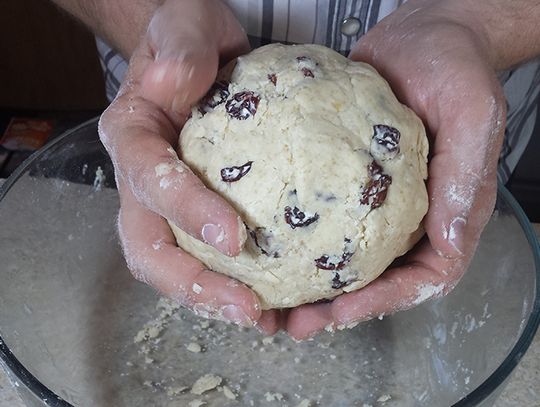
(235, 314)
(214, 235)
(307, 337)
(456, 232)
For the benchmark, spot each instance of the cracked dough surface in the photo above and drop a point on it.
(315, 133)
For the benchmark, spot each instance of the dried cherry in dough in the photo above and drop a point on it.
(264, 240)
(374, 192)
(217, 95)
(233, 174)
(243, 105)
(308, 73)
(306, 66)
(385, 142)
(337, 283)
(326, 262)
(295, 218)
(272, 78)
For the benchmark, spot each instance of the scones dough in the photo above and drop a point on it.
(322, 162)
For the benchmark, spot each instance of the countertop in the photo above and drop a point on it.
(522, 390)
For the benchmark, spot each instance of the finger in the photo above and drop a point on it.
(467, 123)
(144, 159)
(153, 257)
(462, 172)
(424, 276)
(176, 85)
(307, 320)
(270, 322)
(187, 55)
(202, 20)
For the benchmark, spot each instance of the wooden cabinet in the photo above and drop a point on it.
(525, 181)
(48, 61)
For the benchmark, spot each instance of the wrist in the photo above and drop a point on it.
(508, 32)
(456, 16)
(121, 23)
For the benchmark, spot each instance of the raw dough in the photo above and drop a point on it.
(206, 383)
(322, 162)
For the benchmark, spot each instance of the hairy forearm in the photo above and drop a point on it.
(514, 31)
(119, 22)
(511, 29)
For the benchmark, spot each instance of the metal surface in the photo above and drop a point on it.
(350, 26)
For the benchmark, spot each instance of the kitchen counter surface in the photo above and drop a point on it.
(522, 390)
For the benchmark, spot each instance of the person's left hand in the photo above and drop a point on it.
(173, 66)
(443, 69)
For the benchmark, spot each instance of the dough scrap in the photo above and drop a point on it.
(205, 383)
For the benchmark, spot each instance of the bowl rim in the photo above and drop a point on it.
(474, 398)
(505, 369)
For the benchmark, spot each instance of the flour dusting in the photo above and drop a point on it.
(99, 180)
(428, 291)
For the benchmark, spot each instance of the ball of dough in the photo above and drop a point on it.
(322, 162)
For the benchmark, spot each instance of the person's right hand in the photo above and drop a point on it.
(173, 67)
(438, 59)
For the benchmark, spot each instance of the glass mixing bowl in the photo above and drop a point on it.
(77, 329)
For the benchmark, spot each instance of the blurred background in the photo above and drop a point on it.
(51, 80)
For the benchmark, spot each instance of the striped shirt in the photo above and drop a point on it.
(338, 24)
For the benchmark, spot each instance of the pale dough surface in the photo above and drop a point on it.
(316, 133)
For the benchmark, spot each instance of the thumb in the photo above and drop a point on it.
(188, 40)
(462, 181)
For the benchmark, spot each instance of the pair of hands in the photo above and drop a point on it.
(437, 66)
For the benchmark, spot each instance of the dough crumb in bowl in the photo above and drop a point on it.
(206, 383)
(194, 347)
(322, 162)
(229, 393)
(273, 396)
(219, 387)
(384, 398)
